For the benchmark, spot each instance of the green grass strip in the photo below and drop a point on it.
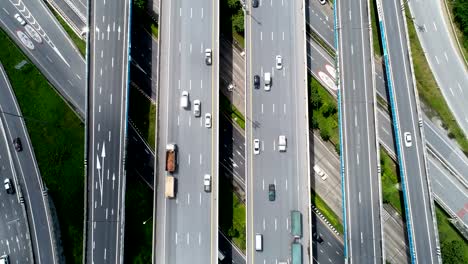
(375, 30)
(79, 43)
(390, 182)
(57, 137)
(231, 214)
(428, 90)
(326, 211)
(453, 246)
(231, 111)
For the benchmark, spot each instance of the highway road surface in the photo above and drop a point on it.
(276, 28)
(361, 185)
(187, 226)
(106, 128)
(443, 56)
(420, 217)
(18, 237)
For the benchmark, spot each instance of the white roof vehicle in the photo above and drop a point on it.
(282, 143)
(320, 172)
(196, 108)
(20, 19)
(408, 140)
(208, 120)
(279, 62)
(207, 183)
(256, 146)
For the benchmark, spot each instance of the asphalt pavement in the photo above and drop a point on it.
(188, 225)
(276, 28)
(359, 159)
(106, 130)
(420, 217)
(441, 51)
(18, 238)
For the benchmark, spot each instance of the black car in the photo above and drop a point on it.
(256, 81)
(17, 144)
(255, 3)
(318, 238)
(271, 192)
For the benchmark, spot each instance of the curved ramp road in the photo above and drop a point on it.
(106, 127)
(20, 239)
(446, 63)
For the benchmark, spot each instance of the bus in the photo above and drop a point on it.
(296, 224)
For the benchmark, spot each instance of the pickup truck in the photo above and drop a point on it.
(208, 56)
(171, 157)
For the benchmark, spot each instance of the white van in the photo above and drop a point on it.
(267, 80)
(282, 143)
(184, 99)
(258, 242)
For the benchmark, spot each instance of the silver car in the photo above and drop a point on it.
(207, 120)
(196, 108)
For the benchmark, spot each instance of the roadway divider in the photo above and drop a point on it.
(376, 129)
(86, 128)
(340, 125)
(307, 135)
(396, 128)
(156, 138)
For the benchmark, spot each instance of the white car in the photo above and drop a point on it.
(196, 108)
(184, 100)
(8, 186)
(279, 62)
(408, 139)
(208, 56)
(208, 120)
(256, 146)
(207, 183)
(20, 19)
(320, 172)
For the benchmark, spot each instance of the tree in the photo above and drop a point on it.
(452, 252)
(315, 99)
(329, 109)
(140, 3)
(233, 4)
(325, 134)
(314, 122)
(238, 22)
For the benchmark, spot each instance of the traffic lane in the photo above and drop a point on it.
(447, 190)
(51, 65)
(442, 54)
(13, 229)
(446, 149)
(415, 176)
(231, 253)
(75, 18)
(327, 247)
(189, 150)
(320, 19)
(26, 166)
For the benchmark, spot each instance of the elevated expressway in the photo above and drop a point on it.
(276, 28)
(358, 136)
(106, 128)
(186, 227)
(419, 208)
